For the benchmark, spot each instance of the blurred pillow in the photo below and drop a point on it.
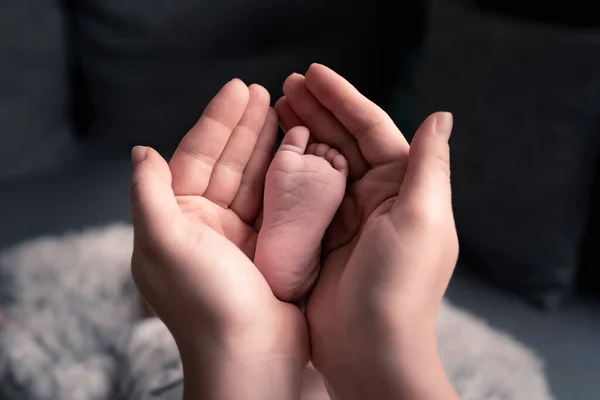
(35, 128)
(149, 68)
(589, 276)
(524, 96)
(573, 12)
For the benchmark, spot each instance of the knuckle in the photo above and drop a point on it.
(135, 187)
(138, 187)
(371, 127)
(425, 215)
(158, 247)
(442, 162)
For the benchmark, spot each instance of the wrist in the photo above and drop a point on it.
(234, 377)
(244, 368)
(404, 367)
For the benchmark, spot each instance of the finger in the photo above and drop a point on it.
(228, 171)
(379, 139)
(426, 186)
(295, 140)
(322, 124)
(201, 147)
(287, 117)
(248, 200)
(153, 204)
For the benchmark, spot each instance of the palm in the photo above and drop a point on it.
(377, 154)
(369, 198)
(234, 241)
(225, 221)
(218, 174)
(194, 234)
(212, 192)
(346, 279)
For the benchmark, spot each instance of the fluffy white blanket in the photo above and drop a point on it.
(70, 332)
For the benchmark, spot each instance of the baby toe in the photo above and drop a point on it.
(311, 148)
(321, 150)
(330, 155)
(340, 163)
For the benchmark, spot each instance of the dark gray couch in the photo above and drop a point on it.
(96, 193)
(110, 101)
(524, 86)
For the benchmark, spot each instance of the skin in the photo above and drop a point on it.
(389, 252)
(303, 189)
(195, 222)
(387, 256)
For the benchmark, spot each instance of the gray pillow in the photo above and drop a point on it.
(589, 275)
(525, 98)
(149, 68)
(35, 128)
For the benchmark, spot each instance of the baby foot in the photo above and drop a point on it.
(304, 187)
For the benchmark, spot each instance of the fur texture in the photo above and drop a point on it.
(71, 332)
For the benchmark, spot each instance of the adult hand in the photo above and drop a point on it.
(390, 251)
(194, 221)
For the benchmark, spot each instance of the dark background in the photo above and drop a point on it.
(84, 80)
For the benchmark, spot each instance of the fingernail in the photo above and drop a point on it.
(235, 81)
(443, 124)
(138, 154)
(314, 65)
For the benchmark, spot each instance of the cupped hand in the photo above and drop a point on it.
(195, 232)
(392, 247)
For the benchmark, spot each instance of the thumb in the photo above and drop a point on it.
(153, 203)
(426, 185)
